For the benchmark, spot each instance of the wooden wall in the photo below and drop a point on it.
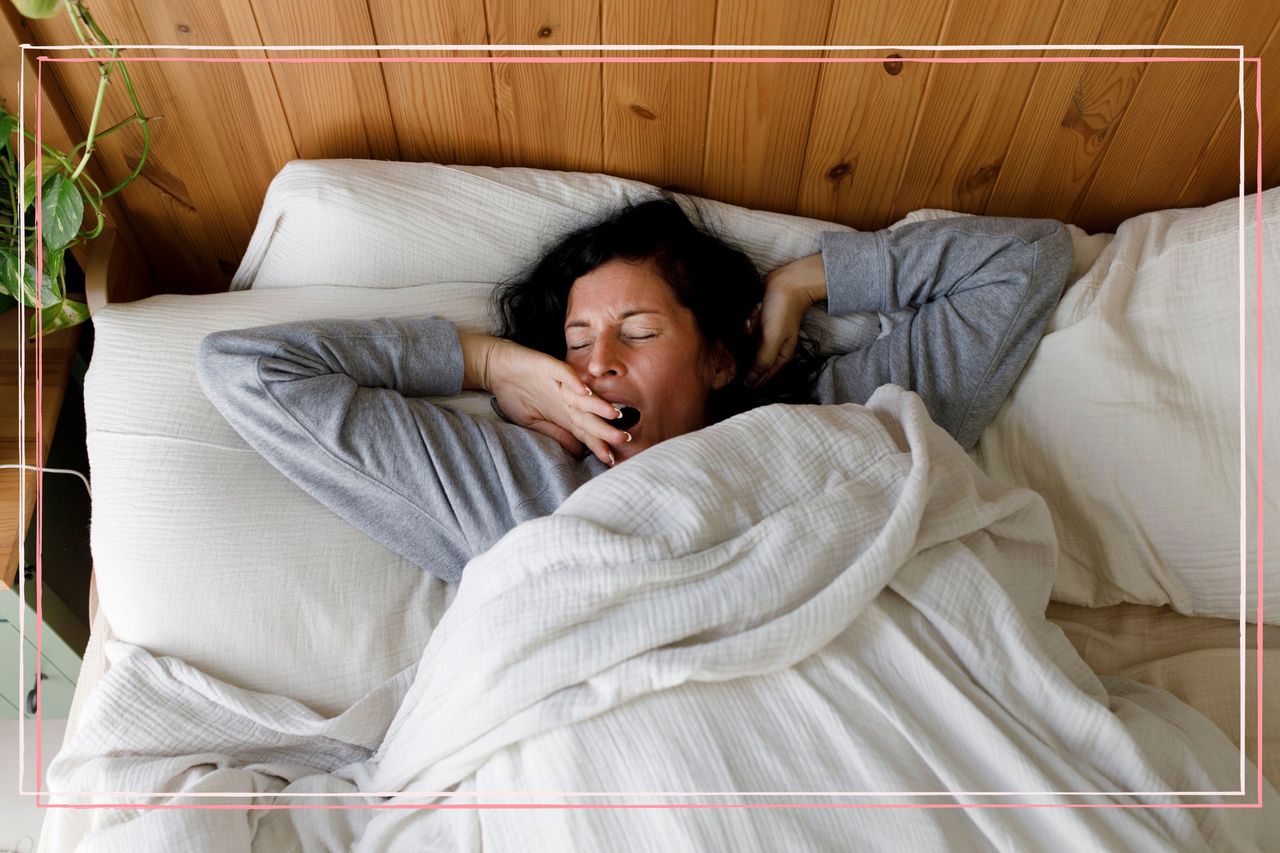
(862, 144)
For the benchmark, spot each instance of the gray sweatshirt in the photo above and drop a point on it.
(335, 404)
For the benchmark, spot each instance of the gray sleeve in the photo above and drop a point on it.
(983, 289)
(333, 404)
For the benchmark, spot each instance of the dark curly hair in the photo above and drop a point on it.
(715, 281)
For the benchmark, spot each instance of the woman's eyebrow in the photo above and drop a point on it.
(630, 312)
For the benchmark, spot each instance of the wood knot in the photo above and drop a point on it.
(642, 112)
(838, 171)
(984, 176)
(893, 64)
(544, 32)
(183, 28)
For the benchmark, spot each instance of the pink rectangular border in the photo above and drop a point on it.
(41, 60)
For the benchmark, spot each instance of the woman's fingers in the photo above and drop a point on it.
(777, 344)
(789, 291)
(598, 434)
(784, 354)
(578, 401)
(586, 418)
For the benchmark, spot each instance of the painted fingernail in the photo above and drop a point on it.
(612, 461)
(628, 435)
(588, 392)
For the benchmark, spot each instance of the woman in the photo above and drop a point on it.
(643, 310)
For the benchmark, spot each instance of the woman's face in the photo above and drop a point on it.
(634, 344)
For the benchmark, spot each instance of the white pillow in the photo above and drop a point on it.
(205, 551)
(1127, 418)
(373, 223)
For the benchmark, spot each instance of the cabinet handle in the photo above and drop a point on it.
(31, 695)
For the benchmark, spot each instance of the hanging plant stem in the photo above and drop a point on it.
(65, 189)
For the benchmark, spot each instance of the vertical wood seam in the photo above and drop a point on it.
(815, 98)
(275, 81)
(1192, 174)
(382, 75)
(1074, 215)
(1022, 112)
(915, 121)
(600, 68)
(711, 87)
(503, 159)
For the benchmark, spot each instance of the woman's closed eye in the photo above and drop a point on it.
(640, 337)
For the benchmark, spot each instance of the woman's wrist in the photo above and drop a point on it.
(814, 282)
(477, 350)
(805, 279)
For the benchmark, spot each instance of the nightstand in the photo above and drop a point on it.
(59, 659)
(59, 350)
(63, 634)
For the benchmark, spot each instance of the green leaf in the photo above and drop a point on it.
(51, 289)
(27, 292)
(37, 8)
(7, 124)
(62, 209)
(29, 179)
(62, 316)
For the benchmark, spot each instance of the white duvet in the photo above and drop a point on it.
(819, 606)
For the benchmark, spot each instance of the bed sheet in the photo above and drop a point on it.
(1194, 658)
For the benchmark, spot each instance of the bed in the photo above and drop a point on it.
(223, 591)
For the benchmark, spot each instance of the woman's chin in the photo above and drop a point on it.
(629, 450)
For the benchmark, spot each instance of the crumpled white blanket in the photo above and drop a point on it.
(821, 606)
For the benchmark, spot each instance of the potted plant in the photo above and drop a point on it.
(66, 193)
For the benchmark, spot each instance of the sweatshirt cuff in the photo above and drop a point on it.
(433, 355)
(854, 263)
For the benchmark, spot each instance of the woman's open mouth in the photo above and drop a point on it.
(629, 417)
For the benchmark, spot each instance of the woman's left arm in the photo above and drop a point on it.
(983, 289)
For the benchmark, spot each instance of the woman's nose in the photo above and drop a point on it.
(605, 358)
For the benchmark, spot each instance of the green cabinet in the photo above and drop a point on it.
(62, 644)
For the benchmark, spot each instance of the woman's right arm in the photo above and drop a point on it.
(334, 405)
(982, 290)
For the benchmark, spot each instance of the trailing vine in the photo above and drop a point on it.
(67, 192)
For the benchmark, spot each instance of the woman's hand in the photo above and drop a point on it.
(541, 392)
(789, 291)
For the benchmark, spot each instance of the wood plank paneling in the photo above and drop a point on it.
(854, 143)
(655, 115)
(1173, 117)
(1220, 165)
(334, 109)
(549, 114)
(221, 137)
(969, 111)
(1072, 109)
(442, 112)
(864, 113)
(759, 113)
